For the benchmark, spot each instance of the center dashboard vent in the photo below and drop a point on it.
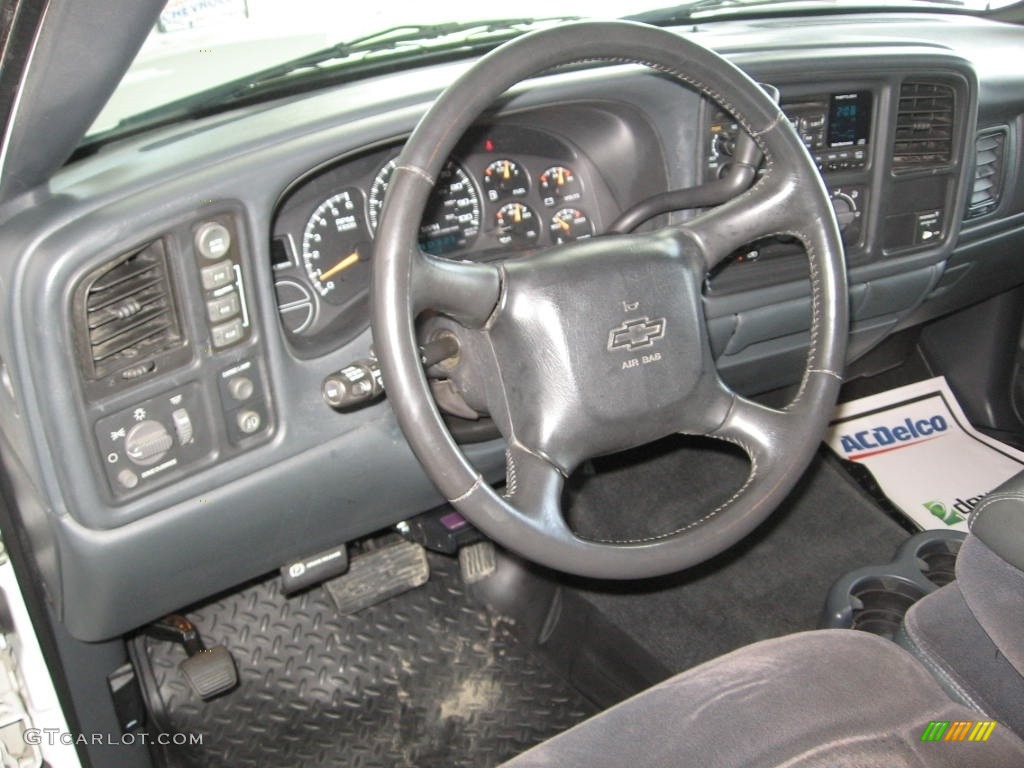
(924, 126)
(126, 316)
(990, 149)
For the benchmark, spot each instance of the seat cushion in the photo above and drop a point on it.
(837, 698)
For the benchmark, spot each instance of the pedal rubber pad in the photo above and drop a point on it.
(376, 575)
(476, 561)
(210, 672)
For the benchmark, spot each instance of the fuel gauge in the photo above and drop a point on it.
(505, 178)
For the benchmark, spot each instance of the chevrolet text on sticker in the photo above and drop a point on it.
(910, 432)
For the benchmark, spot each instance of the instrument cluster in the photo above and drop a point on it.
(506, 191)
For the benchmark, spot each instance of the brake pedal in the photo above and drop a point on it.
(379, 574)
(208, 671)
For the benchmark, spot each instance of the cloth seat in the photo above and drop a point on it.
(837, 698)
(970, 633)
(844, 698)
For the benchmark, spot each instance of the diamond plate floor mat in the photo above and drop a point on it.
(424, 679)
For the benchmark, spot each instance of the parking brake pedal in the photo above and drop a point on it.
(378, 574)
(209, 671)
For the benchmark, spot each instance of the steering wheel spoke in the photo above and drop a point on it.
(534, 487)
(763, 210)
(757, 429)
(465, 291)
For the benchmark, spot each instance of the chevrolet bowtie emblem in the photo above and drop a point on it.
(635, 334)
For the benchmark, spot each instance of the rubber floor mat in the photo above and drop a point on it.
(424, 679)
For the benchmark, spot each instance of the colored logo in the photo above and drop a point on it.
(948, 516)
(957, 513)
(958, 730)
(881, 439)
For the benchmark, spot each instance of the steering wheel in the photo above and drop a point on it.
(600, 345)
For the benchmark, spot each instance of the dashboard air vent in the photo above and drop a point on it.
(127, 316)
(990, 149)
(924, 126)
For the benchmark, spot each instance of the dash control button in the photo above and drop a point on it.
(223, 308)
(249, 422)
(213, 240)
(217, 275)
(227, 333)
(241, 387)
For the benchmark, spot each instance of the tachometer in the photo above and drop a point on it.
(451, 220)
(336, 249)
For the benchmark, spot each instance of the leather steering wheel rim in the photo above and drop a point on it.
(497, 304)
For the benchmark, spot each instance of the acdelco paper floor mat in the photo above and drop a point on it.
(923, 453)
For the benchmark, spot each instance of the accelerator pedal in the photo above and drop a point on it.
(477, 562)
(378, 574)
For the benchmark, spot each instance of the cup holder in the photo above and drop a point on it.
(879, 602)
(874, 599)
(939, 559)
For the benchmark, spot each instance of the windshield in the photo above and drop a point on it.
(199, 45)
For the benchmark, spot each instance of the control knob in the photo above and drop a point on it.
(147, 442)
(845, 208)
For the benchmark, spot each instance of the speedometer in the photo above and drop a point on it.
(451, 220)
(335, 252)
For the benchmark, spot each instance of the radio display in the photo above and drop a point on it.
(849, 119)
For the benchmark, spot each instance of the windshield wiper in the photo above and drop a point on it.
(359, 57)
(394, 37)
(694, 10)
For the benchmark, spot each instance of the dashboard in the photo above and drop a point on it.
(204, 279)
(509, 189)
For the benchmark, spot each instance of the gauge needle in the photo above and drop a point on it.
(565, 225)
(341, 266)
